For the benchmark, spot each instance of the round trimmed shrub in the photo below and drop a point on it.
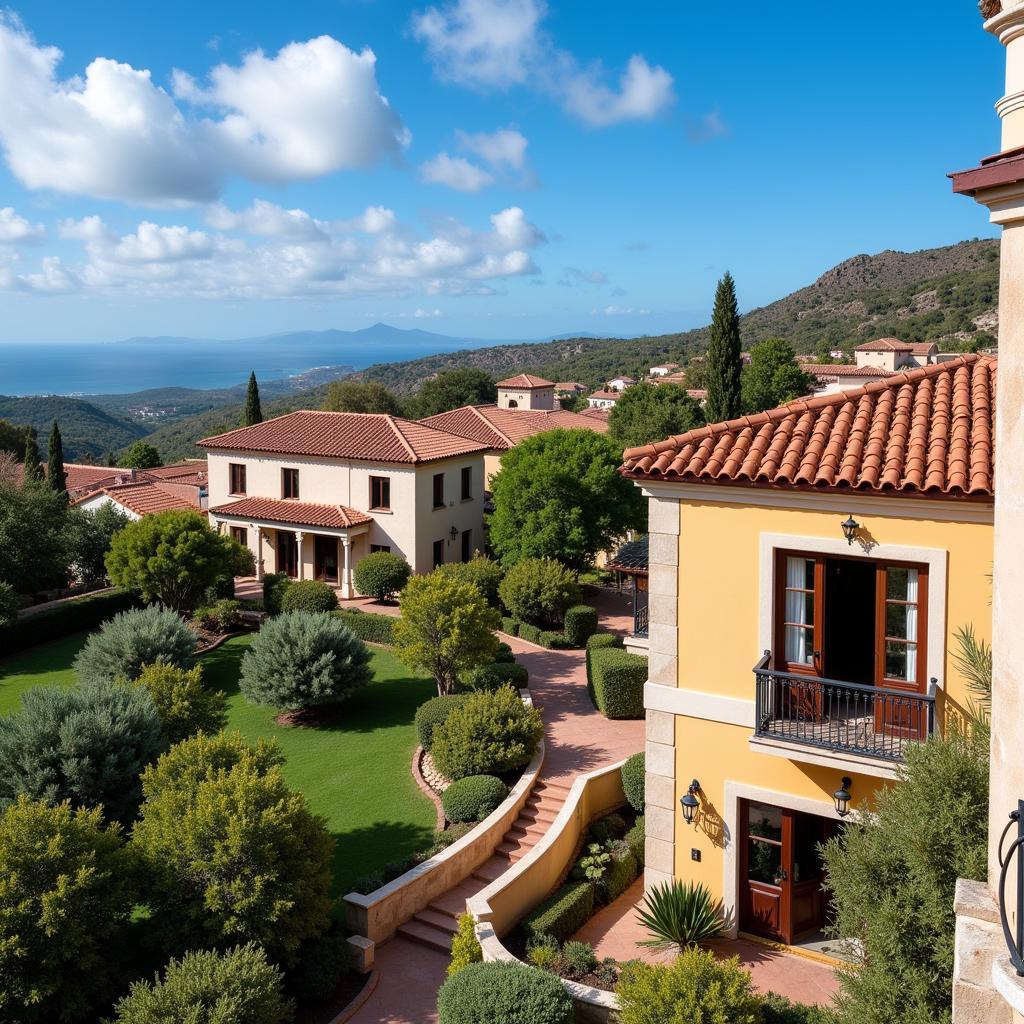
(9, 604)
(633, 781)
(501, 673)
(309, 596)
(580, 624)
(275, 586)
(484, 573)
(490, 734)
(131, 639)
(498, 993)
(87, 744)
(184, 704)
(238, 986)
(381, 575)
(504, 653)
(303, 660)
(433, 713)
(473, 798)
(538, 591)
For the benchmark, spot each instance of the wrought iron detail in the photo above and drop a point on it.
(641, 620)
(1014, 937)
(835, 715)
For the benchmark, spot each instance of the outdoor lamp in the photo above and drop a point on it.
(842, 797)
(453, 533)
(850, 528)
(690, 802)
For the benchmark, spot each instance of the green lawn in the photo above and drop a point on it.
(354, 770)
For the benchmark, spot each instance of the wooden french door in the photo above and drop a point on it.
(287, 553)
(781, 893)
(325, 558)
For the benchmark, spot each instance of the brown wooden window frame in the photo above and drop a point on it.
(437, 554)
(380, 494)
(374, 548)
(241, 534)
(438, 484)
(467, 545)
(290, 483)
(236, 476)
(467, 483)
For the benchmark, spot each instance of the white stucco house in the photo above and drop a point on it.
(311, 493)
(142, 492)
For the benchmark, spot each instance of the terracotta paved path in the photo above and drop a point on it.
(577, 739)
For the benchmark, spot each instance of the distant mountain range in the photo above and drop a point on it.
(948, 294)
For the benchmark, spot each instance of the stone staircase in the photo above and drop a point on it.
(435, 926)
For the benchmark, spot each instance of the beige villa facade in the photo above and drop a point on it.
(312, 493)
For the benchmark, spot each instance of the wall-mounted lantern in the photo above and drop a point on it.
(850, 528)
(842, 797)
(690, 803)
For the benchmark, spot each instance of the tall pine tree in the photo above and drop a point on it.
(33, 471)
(723, 360)
(55, 475)
(253, 412)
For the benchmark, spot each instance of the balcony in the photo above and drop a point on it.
(832, 715)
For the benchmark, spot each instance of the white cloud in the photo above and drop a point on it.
(503, 148)
(710, 126)
(15, 228)
(370, 254)
(455, 172)
(426, 314)
(623, 311)
(573, 276)
(313, 109)
(487, 44)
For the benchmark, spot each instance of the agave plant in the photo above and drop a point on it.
(679, 914)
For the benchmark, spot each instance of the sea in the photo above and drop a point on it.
(85, 368)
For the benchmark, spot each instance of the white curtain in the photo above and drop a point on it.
(799, 641)
(911, 673)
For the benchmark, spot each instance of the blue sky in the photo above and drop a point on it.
(484, 168)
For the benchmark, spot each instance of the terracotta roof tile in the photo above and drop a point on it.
(885, 345)
(363, 437)
(607, 394)
(526, 381)
(300, 513)
(843, 370)
(147, 497)
(504, 428)
(927, 431)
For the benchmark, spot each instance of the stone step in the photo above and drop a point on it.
(552, 787)
(454, 900)
(544, 815)
(491, 869)
(438, 919)
(426, 935)
(534, 830)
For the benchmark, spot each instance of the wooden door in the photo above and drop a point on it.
(325, 558)
(287, 553)
(765, 868)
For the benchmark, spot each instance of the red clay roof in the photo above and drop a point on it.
(616, 395)
(300, 513)
(884, 345)
(928, 432)
(594, 413)
(189, 471)
(505, 428)
(526, 381)
(844, 370)
(361, 436)
(147, 497)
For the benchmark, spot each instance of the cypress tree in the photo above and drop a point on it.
(253, 412)
(723, 360)
(33, 471)
(55, 475)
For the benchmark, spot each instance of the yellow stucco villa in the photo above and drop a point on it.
(809, 568)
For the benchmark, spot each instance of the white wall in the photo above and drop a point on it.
(103, 499)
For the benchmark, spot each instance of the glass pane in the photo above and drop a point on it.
(896, 620)
(800, 573)
(901, 661)
(799, 607)
(765, 821)
(806, 861)
(901, 584)
(763, 861)
(799, 645)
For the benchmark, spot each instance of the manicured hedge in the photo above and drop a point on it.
(370, 626)
(76, 614)
(504, 653)
(553, 641)
(498, 674)
(499, 993)
(635, 837)
(618, 679)
(633, 780)
(509, 625)
(598, 642)
(580, 624)
(274, 586)
(432, 713)
(473, 798)
(309, 596)
(621, 873)
(529, 633)
(564, 913)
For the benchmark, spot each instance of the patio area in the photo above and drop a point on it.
(614, 932)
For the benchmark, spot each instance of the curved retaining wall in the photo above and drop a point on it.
(378, 914)
(508, 899)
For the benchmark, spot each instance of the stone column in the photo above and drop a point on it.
(299, 536)
(346, 573)
(257, 534)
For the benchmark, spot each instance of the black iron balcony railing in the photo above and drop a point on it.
(641, 618)
(835, 715)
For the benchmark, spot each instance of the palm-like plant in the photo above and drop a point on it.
(679, 914)
(974, 659)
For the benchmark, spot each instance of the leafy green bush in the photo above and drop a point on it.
(611, 826)
(484, 573)
(230, 853)
(80, 613)
(892, 877)
(622, 871)
(633, 780)
(564, 913)
(694, 989)
(618, 679)
(504, 653)
(529, 633)
(372, 627)
(776, 1009)
(309, 596)
(493, 677)
(465, 945)
(503, 994)
(275, 585)
(67, 890)
(321, 962)
(220, 617)
(86, 744)
(594, 862)
(553, 640)
(9, 604)
(538, 591)
(381, 575)
(184, 704)
(490, 734)
(131, 639)
(543, 951)
(433, 712)
(473, 798)
(580, 624)
(579, 958)
(635, 837)
(597, 642)
(302, 660)
(238, 986)
(679, 914)
(510, 625)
